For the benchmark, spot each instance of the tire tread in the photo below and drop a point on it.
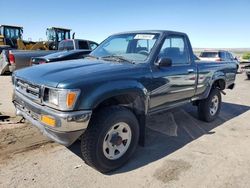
(88, 141)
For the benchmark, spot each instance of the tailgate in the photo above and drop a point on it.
(4, 63)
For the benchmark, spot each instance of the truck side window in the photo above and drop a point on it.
(92, 45)
(174, 47)
(223, 56)
(83, 44)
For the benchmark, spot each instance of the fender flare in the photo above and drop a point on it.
(113, 89)
(211, 83)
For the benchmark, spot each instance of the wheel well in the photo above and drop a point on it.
(134, 102)
(221, 84)
(128, 100)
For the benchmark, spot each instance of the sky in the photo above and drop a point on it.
(209, 23)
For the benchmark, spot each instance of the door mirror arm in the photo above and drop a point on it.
(163, 62)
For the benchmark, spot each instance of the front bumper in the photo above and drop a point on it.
(68, 127)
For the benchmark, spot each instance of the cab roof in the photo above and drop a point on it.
(59, 28)
(15, 26)
(153, 31)
(215, 51)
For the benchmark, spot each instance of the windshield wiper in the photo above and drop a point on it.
(117, 57)
(91, 56)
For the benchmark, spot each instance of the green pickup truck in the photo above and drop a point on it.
(104, 99)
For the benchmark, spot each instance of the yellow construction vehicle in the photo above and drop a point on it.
(12, 37)
(9, 35)
(29, 45)
(56, 35)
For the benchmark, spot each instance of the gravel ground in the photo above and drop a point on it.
(180, 150)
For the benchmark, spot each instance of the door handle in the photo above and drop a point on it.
(190, 70)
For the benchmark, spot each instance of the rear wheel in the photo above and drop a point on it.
(209, 108)
(248, 76)
(110, 139)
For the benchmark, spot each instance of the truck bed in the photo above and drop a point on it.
(22, 59)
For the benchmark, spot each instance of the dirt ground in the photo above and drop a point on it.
(180, 150)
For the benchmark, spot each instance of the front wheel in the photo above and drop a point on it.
(110, 139)
(209, 108)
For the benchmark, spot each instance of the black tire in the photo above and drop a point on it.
(93, 138)
(204, 106)
(248, 76)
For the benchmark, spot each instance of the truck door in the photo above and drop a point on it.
(175, 83)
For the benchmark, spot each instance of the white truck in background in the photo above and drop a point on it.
(11, 60)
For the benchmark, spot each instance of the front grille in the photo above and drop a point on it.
(25, 109)
(30, 90)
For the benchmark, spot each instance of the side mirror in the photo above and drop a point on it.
(164, 62)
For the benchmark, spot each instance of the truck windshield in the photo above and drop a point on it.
(62, 35)
(13, 33)
(134, 47)
(51, 35)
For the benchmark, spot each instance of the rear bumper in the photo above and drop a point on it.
(68, 127)
(12, 68)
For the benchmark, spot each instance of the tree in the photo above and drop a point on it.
(246, 56)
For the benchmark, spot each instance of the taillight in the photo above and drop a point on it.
(11, 58)
(42, 62)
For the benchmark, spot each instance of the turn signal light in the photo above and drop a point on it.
(71, 97)
(48, 120)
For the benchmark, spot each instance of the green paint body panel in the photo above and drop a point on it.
(158, 87)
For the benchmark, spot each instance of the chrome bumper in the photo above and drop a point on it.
(12, 68)
(68, 127)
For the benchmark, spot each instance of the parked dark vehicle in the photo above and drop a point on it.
(60, 56)
(104, 99)
(73, 44)
(247, 70)
(11, 60)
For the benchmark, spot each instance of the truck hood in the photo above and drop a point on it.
(52, 74)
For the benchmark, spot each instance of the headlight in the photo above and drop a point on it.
(62, 99)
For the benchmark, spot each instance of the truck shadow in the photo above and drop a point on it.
(171, 130)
